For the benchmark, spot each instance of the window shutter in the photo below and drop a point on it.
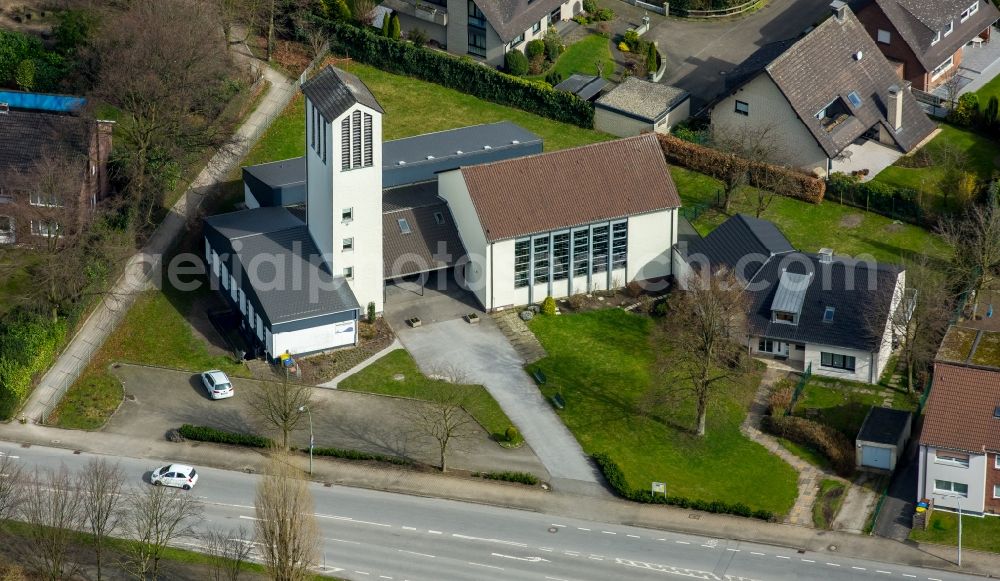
(345, 144)
(368, 140)
(356, 139)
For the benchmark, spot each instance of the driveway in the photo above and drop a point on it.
(160, 399)
(432, 297)
(700, 52)
(483, 355)
(895, 520)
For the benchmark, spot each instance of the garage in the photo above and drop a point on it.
(882, 439)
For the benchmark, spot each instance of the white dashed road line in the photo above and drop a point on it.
(859, 568)
(808, 561)
(417, 554)
(733, 550)
(560, 526)
(682, 542)
(434, 532)
(781, 557)
(833, 564)
(633, 536)
(583, 529)
(343, 541)
(756, 553)
(487, 566)
(609, 533)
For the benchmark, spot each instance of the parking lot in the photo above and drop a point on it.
(158, 400)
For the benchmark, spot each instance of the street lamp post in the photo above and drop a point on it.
(312, 440)
(959, 502)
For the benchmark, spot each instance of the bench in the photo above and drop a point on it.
(558, 402)
(539, 376)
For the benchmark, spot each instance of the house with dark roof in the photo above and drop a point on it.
(44, 131)
(926, 41)
(481, 207)
(486, 30)
(825, 98)
(826, 312)
(639, 106)
(959, 458)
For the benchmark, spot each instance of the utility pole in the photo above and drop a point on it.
(959, 501)
(312, 442)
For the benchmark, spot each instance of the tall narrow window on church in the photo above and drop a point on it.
(356, 139)
(345, 144)
(323, 130)
(368, 140)
(312, 128)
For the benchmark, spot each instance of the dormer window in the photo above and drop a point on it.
(833, 114)
(949, 28)
(937, 38)
(828, 314)
(969, 12)
(785, 317)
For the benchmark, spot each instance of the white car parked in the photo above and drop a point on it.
(177, 475)
(217, 384)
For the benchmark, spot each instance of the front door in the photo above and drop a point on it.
(782, 348)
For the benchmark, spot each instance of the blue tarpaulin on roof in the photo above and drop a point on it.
(41, 101)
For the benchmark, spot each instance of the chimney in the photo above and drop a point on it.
(894, 108)
(839, 9)
(4, 108)
(826, 256)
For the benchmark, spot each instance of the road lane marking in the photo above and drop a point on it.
(781, 557)
(545, 549)
(680, 571)
(362, 572)
(583, 529)
(555, 579)
(859, 568)
(597, 557)
(432, 532)
(682, 542)
(733, 550)
(409, 528)
(384, 577)
(883, 572)
(349, 519)
(416, 553)
(908, 575)
(633, 536)
(756, 553)
(808, 561)
(487, 566)
(343, 541)
(609, 533)
(709, 546)
(571, 553)
(248, 517)
(560, 526)
(833, 564)
(528, 559)
(500, 541)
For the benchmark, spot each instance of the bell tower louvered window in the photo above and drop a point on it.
(345, 144)
(368, 140)
(356, 139)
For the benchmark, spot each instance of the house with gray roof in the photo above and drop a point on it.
(828, 97)
(485, 30)
(639, 106)
(927, 41)
(827, 312)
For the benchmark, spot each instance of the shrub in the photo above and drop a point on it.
(781, 398)
(828, 441)
(28, 345)
(554, 77)
(553, 44)
(385, 26)
(651, 61)
(793, 183)
(990, 113)
(577, 301)
(604, 15)
(622, 46)
(631, 38)
(25, 75)
(355, 455)
(418, 37)
(549, 306)
(371, 311)
(876, 196)
(519, 477)
(207, 434)
(590, 6)
(512, 435)
(604, 29)
(394, 32)
(338, 10)
(536, 64)
(516, 63)
(534, 48)
(966, 110)
(461, 74)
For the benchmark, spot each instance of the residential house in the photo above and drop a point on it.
(827, 312)
(43, 130)
(822, 97)
(639, 106)
(925, 41)
(486, 30)
(479, 206)
(959, 458)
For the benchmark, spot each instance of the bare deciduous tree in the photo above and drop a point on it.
(363, 11)
(444, 421)
(287, 533)
(158, 516)
(279, 404)
(11, 484)
(706, 326)
(101, 486)
(230, 549)
(975, 248)
(52, 509)
(746, 148)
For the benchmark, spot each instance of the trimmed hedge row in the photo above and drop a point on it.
(207, 434)
(465, 75)
(355, 455)
(828, 441)
(616, 478)
(28, 345)
(793, 183)
(879, 197)
(506, 476)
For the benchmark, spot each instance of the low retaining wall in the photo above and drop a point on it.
(721, 12)
(651, 7)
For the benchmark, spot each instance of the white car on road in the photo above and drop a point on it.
(177, 475)
(217, 384)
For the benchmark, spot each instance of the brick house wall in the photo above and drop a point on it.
(897, 51)
(992, 505)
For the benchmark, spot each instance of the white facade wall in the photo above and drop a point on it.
(650, 240)
(864, 371)
(314, 339)
(768, 108)
(451, 187)
(974, 476)
(617, 124)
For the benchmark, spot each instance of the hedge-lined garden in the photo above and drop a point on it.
(28, 345)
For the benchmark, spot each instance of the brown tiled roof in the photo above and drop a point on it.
(429, 245)
(551, 191)
(960, 409)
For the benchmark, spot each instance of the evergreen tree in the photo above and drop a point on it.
(385, 25)
(394, 32)
(651, 58)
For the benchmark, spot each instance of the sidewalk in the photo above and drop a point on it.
(137, 275)
(556, 503)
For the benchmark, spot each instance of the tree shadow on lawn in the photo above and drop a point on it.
(846, 418)
(934, 261)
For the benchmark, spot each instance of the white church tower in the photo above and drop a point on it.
(344, 180)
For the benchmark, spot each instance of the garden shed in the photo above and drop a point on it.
(882, 438)
(637, 106)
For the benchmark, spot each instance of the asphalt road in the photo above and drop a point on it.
(373, 535)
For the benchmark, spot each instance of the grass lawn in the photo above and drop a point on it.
(843, 405)
(977, 533)
(990, 89)
(582, 57)
(810, 227)
(602, 362)
(808, 454)
(828, 503)
(378, 378)
(982, 153)
(154, 332)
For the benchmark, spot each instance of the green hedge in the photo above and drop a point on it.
(519, 477)
(207, 434)
(879, 197)
(28, 345)
(355, 455)
(616, 478)
(465, 75)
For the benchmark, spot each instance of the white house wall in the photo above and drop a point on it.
(618, 124)
(315, 338)
(863, 370)
(650, 240)
(974, 476)
(452, 188)
(768, 108)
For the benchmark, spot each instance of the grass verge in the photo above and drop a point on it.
(828, 502)
(603, 362)
(981, 533)
(380, 378)
(806, 453)
(843, 405)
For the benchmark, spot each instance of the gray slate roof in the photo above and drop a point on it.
(429, 245)
(584, 86)
(642, 99)
(512, 17)
(883, 426)
(918, 21)
(334, 91)
(27, 136)
(734, 242)
(303, 288)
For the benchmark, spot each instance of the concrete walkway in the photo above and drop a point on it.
(858, 504)
(140, 270)
(333, 383)
(481, 354)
